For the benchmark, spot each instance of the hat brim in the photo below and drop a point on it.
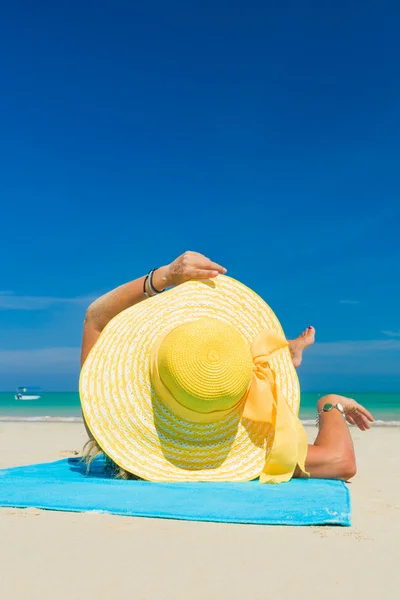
(131, 423)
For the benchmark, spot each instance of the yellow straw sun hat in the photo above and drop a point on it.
(196, 384)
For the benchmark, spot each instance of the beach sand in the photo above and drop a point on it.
(53, 555)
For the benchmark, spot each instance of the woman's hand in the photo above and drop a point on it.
(190, 265)
(355, 413)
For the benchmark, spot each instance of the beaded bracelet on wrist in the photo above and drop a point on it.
(149, 280)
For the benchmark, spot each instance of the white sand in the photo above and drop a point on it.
(48, 555)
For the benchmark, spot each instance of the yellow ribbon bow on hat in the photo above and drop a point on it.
(263, 402)
(266, 403)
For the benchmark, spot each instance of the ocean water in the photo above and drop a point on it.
(65, 406)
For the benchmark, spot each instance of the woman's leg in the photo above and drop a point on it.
(332, 454)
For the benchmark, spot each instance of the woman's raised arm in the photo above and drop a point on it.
(190, 265)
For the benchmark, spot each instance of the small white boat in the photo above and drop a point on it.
(24, 393)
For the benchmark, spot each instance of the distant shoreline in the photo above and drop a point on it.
(65, 407)
(55, 419)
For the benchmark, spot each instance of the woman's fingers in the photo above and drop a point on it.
(365, 421)
(360, 416)
(192, 265)
(362, 421)
(201, 267)
(204, 263)
(203, 274)
(358, 421)
(366, 413)
(361, 424)
(216, 267)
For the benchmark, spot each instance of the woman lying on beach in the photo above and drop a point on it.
(332, 454)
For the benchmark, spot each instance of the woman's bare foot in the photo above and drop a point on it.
(297, 346)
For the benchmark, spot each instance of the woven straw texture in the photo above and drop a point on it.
(136, 428)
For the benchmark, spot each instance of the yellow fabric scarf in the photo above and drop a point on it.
(263, 402)
(266, 403)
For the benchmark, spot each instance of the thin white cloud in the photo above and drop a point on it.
(39, 360)
(349, 302)
(361, 357)
(364, 358)
(10, 301)
(49, 357)
(353, 348)
(392, 333)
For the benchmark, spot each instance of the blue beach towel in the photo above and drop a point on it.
(64, 485)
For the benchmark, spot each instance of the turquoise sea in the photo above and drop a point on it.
(64, 406)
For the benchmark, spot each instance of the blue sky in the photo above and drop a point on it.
(264, 135)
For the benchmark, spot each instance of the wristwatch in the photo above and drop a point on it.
(327, 407)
